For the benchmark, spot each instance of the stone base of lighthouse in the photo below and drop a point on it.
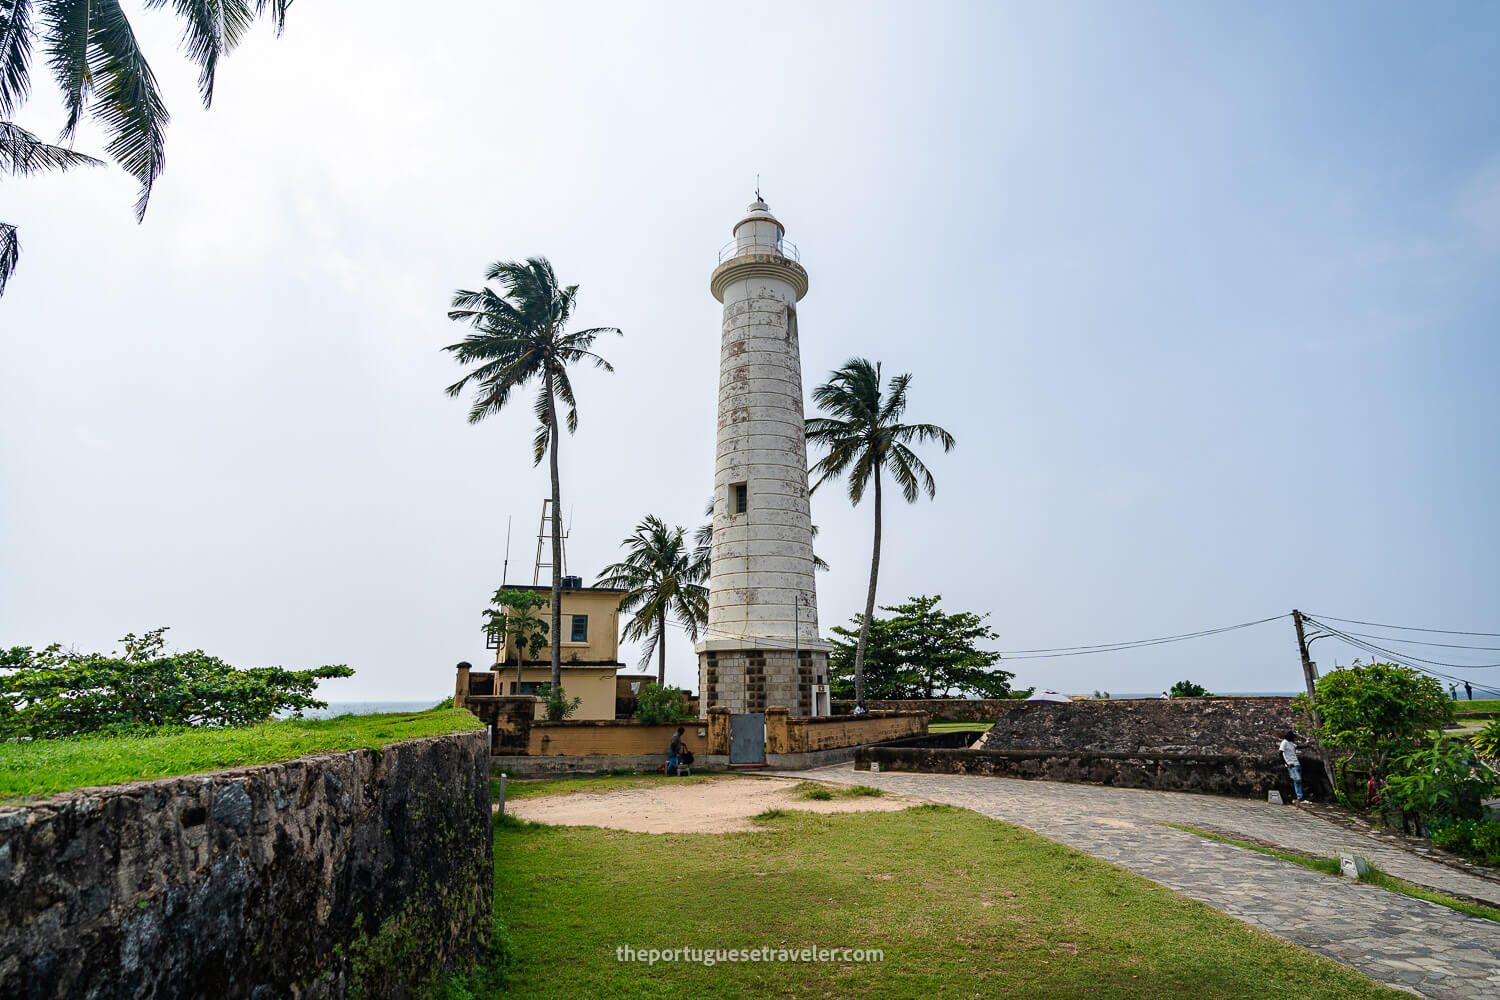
(745, 680)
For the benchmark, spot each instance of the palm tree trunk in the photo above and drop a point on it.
(556, 540)
(661, 648)
(864, 626)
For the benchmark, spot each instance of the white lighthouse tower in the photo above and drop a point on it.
(761, 647)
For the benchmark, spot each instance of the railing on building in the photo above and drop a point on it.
(781, 248)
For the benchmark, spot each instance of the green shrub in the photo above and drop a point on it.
(1476, 839)
(1437, 783)
(557, 704)
(56, 693)
(656, 705)
(1188, 689)
(1375, 713)
(1487, 740)
(814, 791)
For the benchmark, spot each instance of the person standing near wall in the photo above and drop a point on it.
(1293, 762)
(674, 751)
(1469, 690)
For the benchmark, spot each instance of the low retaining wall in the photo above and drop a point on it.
(1219, 774)
(1245, 727)
(613, 738)
(786, 735)
(338, 875)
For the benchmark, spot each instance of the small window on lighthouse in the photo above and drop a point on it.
(739, 498)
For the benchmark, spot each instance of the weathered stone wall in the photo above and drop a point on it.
(1219, 774)
(1235, 726)
(352, 874)
(1226, 746)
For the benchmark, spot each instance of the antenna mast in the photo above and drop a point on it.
(505, 569)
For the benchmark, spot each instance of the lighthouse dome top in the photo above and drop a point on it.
(759, 225)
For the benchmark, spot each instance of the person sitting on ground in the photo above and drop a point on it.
(674, 750)
(859, 707)
(1293, 763)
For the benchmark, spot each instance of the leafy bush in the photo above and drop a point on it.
(1487, 740)
(1438, 783)
(656, 705)
(1476, 839)
(54, 693)
(557, 704)
(1187, 689)
(1378, 712)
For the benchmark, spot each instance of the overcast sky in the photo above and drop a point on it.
(1207, 294)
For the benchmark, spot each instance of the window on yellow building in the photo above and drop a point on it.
(580, 628)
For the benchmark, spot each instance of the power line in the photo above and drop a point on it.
(1423, 642)
(1020, 654)
(1410, 628)
(1403, 658)
(1110, 647)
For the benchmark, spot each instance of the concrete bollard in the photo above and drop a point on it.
(500, 810)
(1274, 797)
(1352, 865)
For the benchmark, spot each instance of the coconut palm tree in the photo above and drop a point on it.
(92, 52)
(664, 575)
(863, 435)
(519, 336)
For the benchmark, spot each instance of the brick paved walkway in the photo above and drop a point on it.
(1414, 945)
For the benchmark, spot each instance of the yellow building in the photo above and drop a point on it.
(590, 651)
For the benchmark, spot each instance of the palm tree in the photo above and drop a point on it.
(519, 336)
(663, 575)
(92, 52)
(863, 435)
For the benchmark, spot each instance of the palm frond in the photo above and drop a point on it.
(22, 153)
(127, 102)
(211, 29)
(278, 12)
(15, 54)
(66, 24)
(10, 253)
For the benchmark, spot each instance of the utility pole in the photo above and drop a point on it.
(1310, 676)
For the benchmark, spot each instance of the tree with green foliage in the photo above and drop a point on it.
(663, 575)
(520, 335)
(1376, 712)
(863, 436)
(511, 615)
(58, 693)
(99, 67)
(656, 705)
(919, 652)
(1188, 689)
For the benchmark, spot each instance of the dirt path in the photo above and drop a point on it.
(722, 806)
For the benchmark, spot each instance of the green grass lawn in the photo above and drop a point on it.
(1479, 706)
(43, 767)
(961, 905)
(959, 727)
